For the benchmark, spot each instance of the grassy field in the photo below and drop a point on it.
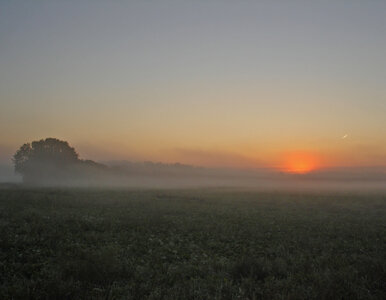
(196, 244)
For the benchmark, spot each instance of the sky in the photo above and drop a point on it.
(243, 84)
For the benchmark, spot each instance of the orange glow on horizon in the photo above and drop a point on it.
(301, 162)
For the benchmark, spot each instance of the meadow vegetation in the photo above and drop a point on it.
(190, 244)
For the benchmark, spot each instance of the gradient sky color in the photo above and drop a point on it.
(213, 83)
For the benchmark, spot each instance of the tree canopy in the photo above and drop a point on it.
(44, 159)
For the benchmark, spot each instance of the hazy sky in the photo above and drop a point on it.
(227, 83)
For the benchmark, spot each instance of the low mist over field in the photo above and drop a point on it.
(45, 169)
(52, 162)
(7, 174)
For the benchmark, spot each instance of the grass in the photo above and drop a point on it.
(196, 244)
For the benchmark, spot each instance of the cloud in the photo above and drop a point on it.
(213, 158)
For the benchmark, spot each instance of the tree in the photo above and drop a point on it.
(44, 159)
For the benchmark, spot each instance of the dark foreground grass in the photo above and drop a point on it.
(208, 244)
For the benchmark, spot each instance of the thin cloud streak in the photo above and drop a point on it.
(213, 158)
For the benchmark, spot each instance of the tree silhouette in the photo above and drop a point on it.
(44, 159)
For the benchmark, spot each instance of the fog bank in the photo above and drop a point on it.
(123, 174)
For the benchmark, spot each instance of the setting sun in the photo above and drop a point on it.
(301, 162)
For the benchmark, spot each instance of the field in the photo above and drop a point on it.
(191, 244)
